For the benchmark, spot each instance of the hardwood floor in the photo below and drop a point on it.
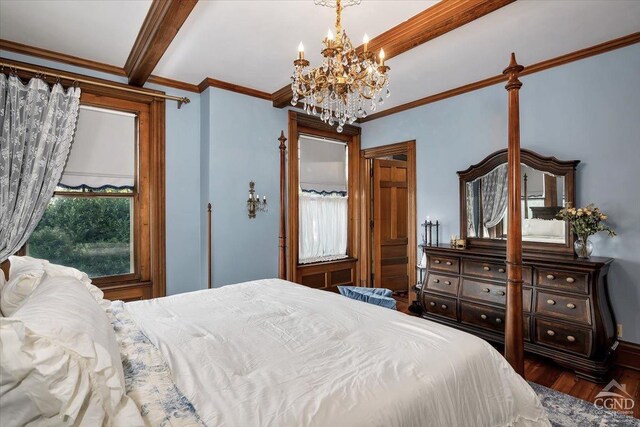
(547, 373)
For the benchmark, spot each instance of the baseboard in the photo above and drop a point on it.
(628, 355)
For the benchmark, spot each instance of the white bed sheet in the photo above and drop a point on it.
(272, 353)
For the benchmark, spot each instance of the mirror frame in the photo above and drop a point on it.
(566, 168)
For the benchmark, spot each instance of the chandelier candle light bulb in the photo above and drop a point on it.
(347, 83)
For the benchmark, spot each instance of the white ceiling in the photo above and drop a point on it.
(102, 31)
(252, 43)
(535, 30)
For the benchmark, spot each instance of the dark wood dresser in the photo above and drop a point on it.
(567, 314)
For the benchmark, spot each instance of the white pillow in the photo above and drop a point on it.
(24, 277)
(25, 273)
(543, 227)
(61, 362)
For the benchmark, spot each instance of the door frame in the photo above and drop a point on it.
(366, 168)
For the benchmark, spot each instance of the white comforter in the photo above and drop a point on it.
(272, 353)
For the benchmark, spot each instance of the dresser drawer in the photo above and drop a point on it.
(443, 283)
(573, 308)
(493, 271)
(443, 263)
(563, 337)
(564, 280)
(491, 292)
(488, 318)
(441, 306)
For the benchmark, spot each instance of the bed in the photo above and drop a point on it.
(274, 353)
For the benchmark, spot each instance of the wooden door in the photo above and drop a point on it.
(390, 225)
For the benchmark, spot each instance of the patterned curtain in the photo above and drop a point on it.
(36, 129)
(494, 196)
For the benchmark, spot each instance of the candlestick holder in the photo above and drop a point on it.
(428, 232)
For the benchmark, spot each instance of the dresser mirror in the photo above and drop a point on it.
(547, 185)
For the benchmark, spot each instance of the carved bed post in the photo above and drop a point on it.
(282, 254)
(514, 340)
(209, 261)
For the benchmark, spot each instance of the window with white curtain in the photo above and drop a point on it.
(323, 199)
(89, 223)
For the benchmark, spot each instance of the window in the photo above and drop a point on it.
(91, 222)
(323, 201)
(92, 232)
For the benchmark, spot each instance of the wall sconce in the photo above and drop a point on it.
(254, 204)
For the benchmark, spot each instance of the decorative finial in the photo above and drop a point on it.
(512, 72)
(282, 140)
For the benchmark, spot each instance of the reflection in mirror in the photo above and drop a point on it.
(323, 199)
(542, 198)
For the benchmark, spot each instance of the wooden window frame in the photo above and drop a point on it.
(149, 278)
(303, 124)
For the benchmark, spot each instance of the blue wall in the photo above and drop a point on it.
(587, 110)
(183, 207)
(243, 144)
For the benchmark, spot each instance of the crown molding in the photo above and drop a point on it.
(439, 19)
(531, 69)
(163, 21)
(177, 84)
(211, 82)
(60, 57)
(51, 55)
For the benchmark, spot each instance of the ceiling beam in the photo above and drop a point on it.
(163, 21)
(439, 19)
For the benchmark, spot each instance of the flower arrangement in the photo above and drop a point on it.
(585, 222)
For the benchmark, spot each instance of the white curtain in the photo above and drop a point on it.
(36, 129)
(494, 196)
(323, 227)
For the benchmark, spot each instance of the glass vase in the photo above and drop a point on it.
(583, 247)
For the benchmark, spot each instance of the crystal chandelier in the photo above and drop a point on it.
(347, 82)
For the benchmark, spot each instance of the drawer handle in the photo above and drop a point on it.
(550, 333)
(436, 280)
(432, 304)
(501, 270)
(446, 282)
(571, 306)
(551, 302)
(486, 290)
(501, 293)
(486, 268)
(570, 279)
(550, 276)
(498, 320)
(436, 261)
(449, 263)
(444, 306)
(483, 316)
(571, 338)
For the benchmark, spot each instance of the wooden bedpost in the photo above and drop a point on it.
(514, 340)
(209, 261)
(282, 255)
